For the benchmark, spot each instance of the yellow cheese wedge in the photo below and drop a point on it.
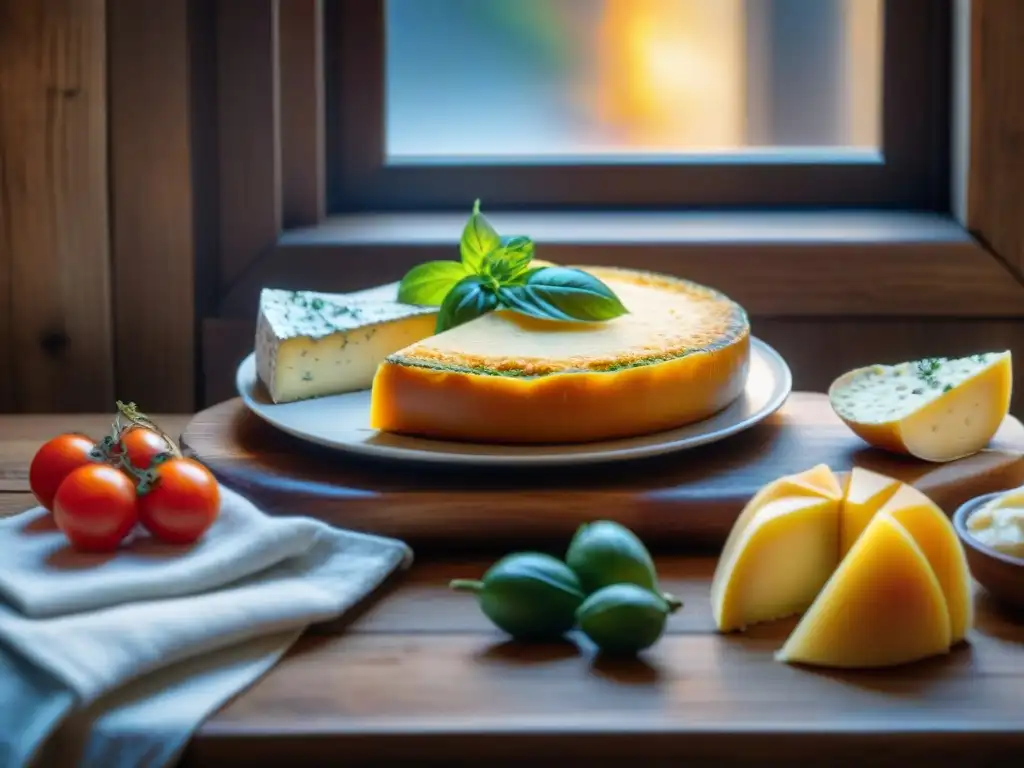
(882, 607)
(679, 356)
(938, 409)
(934, 534)
(786, 553)
(816, 482)
(865, 494)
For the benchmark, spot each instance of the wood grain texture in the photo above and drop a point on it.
(817, 349)
(421, 677)
(8, 388)
(688, 499)
(782, 265)
(301, 67)
(151, 192)
(996, 170)
(249, 132)
(55, 341)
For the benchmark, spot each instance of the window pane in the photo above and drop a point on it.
(608, 78)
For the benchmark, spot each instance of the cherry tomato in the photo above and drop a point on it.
(183, 502)
(141, 445)
(54, 462)
(96, 507)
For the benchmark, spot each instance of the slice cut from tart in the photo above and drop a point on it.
(680, 355)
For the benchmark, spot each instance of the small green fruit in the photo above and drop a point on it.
(530, 596)
(604, 552)
(623, 619)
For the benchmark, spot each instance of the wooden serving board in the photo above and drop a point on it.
(688, 499)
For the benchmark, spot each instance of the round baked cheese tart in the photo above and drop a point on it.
(680, 355)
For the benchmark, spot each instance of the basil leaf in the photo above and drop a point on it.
(479, 238)
(562, 293)
(429, 283)
(471, 297)
(511, 260)
(524, 277)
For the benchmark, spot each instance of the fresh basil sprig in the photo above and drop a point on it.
(561, 293)
(494, 272)
(470, 297)
(428, 283)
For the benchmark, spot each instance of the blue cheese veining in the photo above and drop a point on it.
(883, 393)
(311, 344)
(937, 409)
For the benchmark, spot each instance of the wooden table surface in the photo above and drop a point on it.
(419, 676)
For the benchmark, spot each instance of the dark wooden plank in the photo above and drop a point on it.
(817, 349)
(8, 401)
(421, 603)
(419, 676)
(13, 502)
(870, 264)
(54, 240)
(680, 501)
(205, 142)
(225, 342)
(996, 165)
(466, 693)
(151, 194)
(249, 131)
(302, 112)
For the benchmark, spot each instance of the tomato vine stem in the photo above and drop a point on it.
(112, 449)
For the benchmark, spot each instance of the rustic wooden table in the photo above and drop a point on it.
(420, 677)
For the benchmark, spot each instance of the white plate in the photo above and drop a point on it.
(341, 422)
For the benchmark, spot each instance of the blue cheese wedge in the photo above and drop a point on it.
(937, 409)
(311, 344)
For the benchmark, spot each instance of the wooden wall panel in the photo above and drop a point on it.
(996, 165)
(56, 342)
(151, 190)
(249, 131)
(828, 276)
(817, 349)
(301, 72)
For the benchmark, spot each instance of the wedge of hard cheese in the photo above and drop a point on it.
(878, 573)
(786, 554)
(934, 534)
(937, 409)
(312, 344)
(680, 355)
(793, 518)
(882, 607)
(866, 493)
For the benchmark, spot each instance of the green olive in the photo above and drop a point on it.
(529, 595)
(603, 553)
(623, 619)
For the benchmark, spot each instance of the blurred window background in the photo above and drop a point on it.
(596, 80)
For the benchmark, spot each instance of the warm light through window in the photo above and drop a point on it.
(547, 78)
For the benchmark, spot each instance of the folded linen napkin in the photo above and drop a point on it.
(83, 638)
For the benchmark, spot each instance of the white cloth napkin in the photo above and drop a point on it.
(100, 643)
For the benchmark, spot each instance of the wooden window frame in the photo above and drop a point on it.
(252, 199)
(907, 172)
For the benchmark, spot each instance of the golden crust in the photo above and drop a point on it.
(708, 321)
